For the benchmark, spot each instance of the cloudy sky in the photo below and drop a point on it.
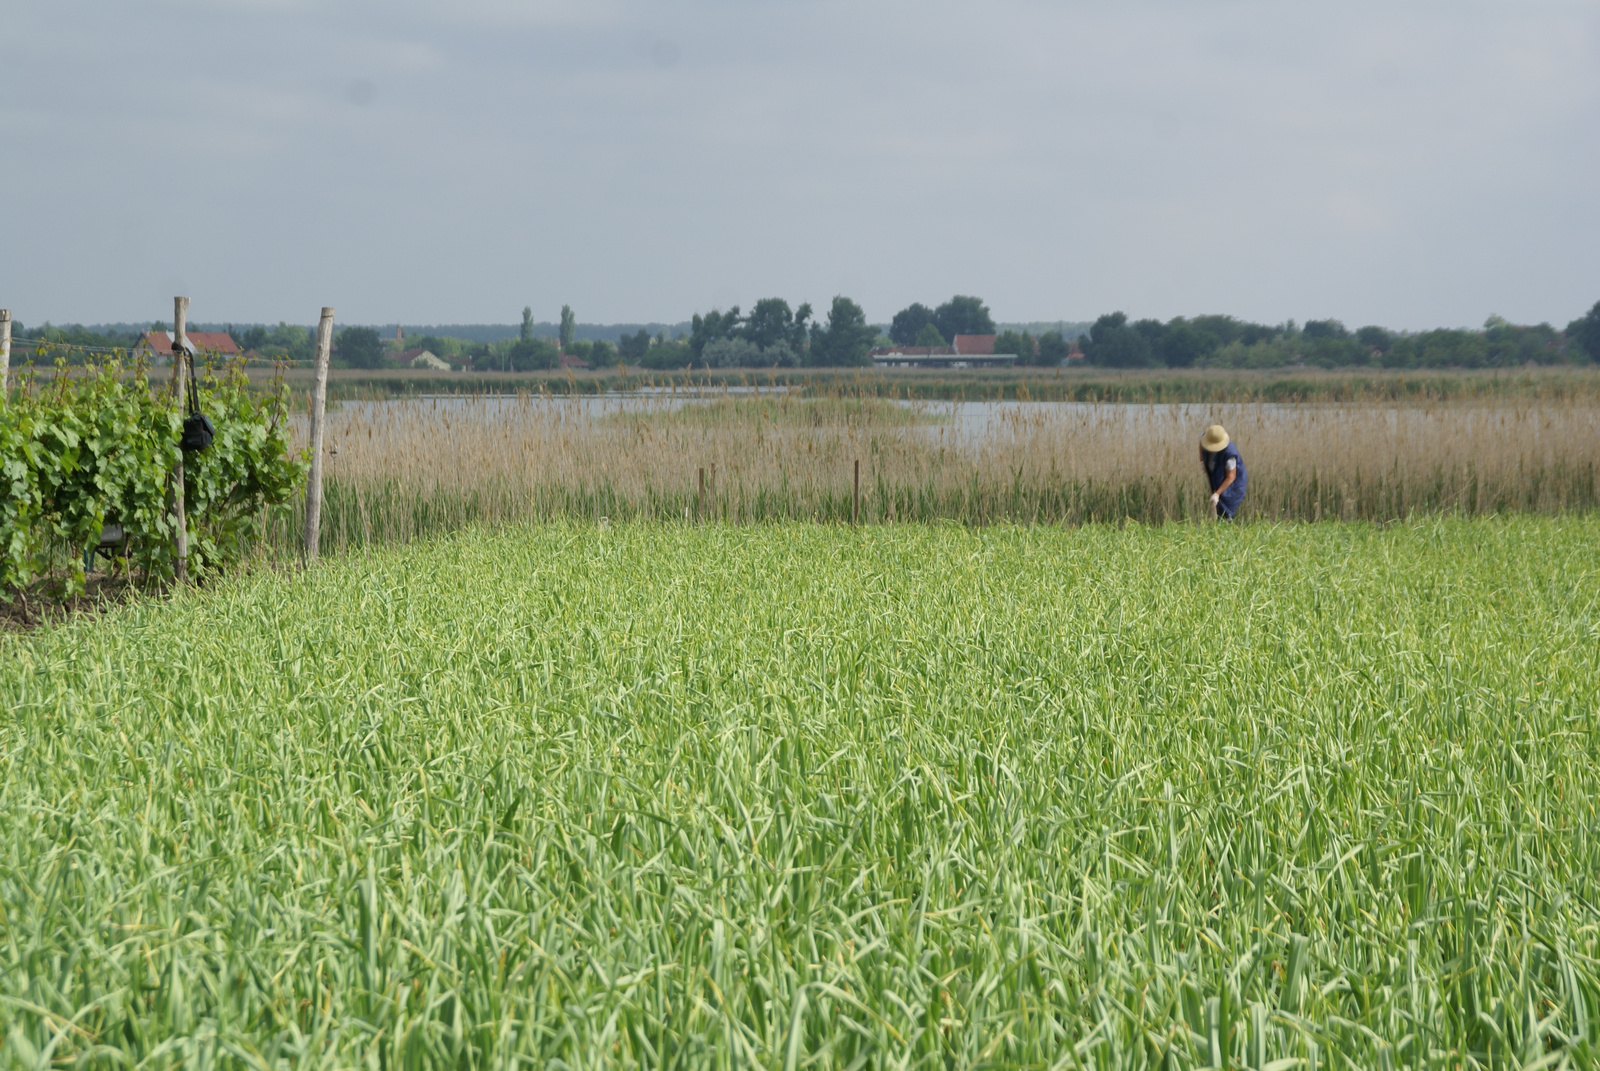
(1402, 162)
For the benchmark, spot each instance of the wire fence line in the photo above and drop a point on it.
(37, 344)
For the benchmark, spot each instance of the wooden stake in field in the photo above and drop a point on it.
(319, 404)
(700, 498)
(5, 354)
(855, 501)
(180, 356)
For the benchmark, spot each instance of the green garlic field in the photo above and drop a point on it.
(802, 796)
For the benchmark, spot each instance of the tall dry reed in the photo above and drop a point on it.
(397, 470)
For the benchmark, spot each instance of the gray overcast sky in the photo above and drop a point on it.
(1402, 162)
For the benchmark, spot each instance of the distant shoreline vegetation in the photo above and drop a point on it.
(1547, 383)
(774, 335)
(1224, 342)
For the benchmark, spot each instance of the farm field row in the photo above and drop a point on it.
(801, 795)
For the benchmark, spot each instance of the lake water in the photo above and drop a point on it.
(970, 420)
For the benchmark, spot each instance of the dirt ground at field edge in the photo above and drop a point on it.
(40, 603)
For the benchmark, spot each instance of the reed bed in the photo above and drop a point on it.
(403, 469)
(797, 796)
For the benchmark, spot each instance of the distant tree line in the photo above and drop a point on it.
(75, 335)
(775, 335)
(1226, 342)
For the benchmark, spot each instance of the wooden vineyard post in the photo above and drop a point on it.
(700, 498)
(319, 404)
(180, 354)
(855, 500)
(5, 354)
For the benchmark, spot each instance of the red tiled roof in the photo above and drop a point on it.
(974, 344)
(569, 361)
(215, 341)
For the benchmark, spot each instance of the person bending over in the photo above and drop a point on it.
(1225, 471)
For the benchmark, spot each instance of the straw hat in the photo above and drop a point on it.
(1214, 439)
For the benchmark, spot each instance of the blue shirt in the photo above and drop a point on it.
(1217, 471)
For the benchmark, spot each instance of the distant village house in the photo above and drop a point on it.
(156, 346)
(412, 358)
(968, 351)
(421, 359)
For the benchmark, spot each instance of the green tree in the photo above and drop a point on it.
(710, 327)
(602, 354)
(731, 353)
(533, 355)
(909, 324)
(526, 334)
(927, 335)
(665, 355)
(1443, 347)
(631, 349)
(1227, 329)
(1113, 342)
(963, 315)
(846, 339)
(1182, 345)
(1017, 342)
(360, 347)
(569, 326)
(1585, 333)
(252, 338)
(1053, 348)
(1512, 344)
(771, 323)
(1324, 329)
(1154, 332)
(299, 343)
(1326, 351)
(285, 340)
(1376, 338)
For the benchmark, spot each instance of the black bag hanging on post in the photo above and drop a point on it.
(197, 429)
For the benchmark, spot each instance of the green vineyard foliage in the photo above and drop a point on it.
(85, 449)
